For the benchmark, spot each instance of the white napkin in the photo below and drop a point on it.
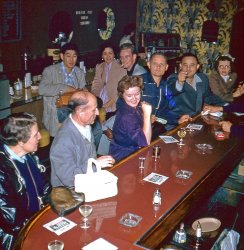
(230, 241)
(100, 244)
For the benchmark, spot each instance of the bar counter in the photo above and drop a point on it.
(179, 197)
(28, 100)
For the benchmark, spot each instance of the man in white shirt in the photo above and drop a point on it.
(74, 144)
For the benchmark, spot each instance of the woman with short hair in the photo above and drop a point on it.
(132, 126)
(223, 81)
(24, 187)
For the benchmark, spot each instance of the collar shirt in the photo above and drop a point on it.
(84, 130)
(225, 78)
(13, 155)
(69, 78)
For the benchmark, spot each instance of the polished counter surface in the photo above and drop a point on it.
(135, 195)
(24, 96)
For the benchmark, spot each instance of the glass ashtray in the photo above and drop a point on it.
(204, 146)
(183, 174)
(130, 220)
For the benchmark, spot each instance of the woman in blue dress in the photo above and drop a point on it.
(132, 127)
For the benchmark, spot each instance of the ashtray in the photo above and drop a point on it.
(204, 146)
(183, 174)
(130, 220)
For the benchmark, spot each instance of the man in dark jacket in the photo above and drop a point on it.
(191, 89)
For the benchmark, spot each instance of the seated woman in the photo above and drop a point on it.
(132, 126)
(23, 186)
(223, 81)
(106, 79)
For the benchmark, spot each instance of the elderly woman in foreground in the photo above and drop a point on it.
(23, 188)
(132, 126)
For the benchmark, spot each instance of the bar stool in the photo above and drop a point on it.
(45, 138)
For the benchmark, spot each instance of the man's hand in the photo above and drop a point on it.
(153, 119)
(184, 118)
(182, 77)
(109, 133)
(105, 161)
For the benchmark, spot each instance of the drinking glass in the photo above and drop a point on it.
(181, 133)
(156, 152)
(142, 162)
(55, 245)
(85, 211)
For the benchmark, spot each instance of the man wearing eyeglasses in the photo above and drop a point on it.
(128, 58)
(191, 88)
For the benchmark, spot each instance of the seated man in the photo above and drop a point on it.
(234, 129)
(155, 93)
(58, 79)
(128, 58)
(74, 144)
(190, 89)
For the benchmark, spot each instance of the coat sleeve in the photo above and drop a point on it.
(208, 95)
(217, 88)
(68, 157)
(12, 215)
(51, 84)
(98, 82)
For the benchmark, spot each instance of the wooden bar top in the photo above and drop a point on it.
(135, 195)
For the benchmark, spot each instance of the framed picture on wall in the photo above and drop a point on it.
(10, 26)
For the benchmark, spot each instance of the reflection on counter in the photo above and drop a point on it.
(24, 96)
(28, 100)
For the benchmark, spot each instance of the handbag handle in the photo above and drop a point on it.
(89, 165)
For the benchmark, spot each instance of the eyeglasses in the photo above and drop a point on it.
(224, 66)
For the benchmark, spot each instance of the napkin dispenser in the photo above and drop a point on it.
(96, 185)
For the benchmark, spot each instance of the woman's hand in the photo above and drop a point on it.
(226, 125)
(146, 109)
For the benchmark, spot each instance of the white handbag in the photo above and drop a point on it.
(96, 185)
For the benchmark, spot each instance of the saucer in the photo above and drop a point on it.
(208, 224)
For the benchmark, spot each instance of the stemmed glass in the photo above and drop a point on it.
(181, 133)
(85, 211)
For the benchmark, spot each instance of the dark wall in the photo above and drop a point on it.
(37, 14)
